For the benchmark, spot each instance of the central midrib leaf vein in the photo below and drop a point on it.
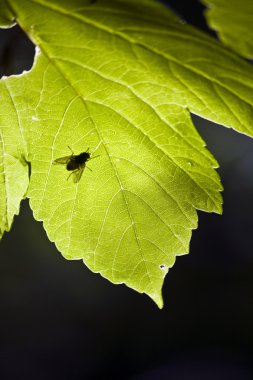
(123, 194)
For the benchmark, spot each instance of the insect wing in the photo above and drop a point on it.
(77, 174)
(62, 160)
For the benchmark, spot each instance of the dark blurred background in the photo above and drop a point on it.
(60, 321)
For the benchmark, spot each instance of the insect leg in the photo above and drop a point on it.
(69, 175)
(71, 150)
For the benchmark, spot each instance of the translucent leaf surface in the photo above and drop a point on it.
(233, 22)
(118, 77)
(134, 212)
(13, 166)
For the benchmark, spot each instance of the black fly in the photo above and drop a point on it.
(76, 163)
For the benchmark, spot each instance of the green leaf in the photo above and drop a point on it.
(118, 77)
(13, 165)
(130, 216)
(233, 23)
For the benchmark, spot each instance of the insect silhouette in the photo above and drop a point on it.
(76, 163)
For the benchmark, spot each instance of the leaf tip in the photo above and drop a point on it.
(157, 298)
